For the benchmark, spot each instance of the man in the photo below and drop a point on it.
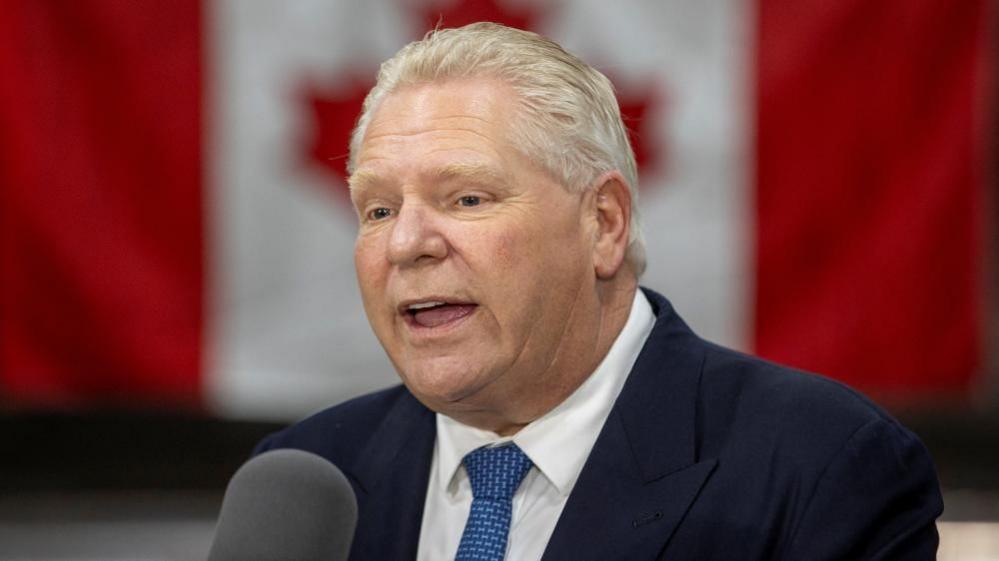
(551, 409)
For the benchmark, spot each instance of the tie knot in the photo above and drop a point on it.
(495, 473)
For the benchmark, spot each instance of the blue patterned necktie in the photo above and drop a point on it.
(495, 474)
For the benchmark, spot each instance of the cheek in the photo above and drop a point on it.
(506, 248)
(370, 267)
(487, 253)
(367, 261)
(515, 258)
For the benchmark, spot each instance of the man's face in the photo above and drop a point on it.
(475, 266)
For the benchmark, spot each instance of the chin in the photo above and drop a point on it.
(441, 387)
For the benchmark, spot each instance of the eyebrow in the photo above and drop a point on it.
(362, 180)
(478, 172)
(365, 179)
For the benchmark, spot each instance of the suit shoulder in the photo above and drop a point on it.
(337, 430)
(793, 409)
(733, 385)
(840, 477)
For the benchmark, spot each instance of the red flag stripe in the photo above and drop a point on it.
(869, 191)
(101, 275)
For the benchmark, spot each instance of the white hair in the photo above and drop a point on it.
(568, 122)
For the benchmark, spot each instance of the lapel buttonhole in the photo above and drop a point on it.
(646, 518)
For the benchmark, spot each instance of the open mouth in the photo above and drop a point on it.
(436, 313)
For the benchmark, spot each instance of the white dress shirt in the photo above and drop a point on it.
(557, 443)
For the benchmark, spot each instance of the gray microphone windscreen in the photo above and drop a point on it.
(289, 505)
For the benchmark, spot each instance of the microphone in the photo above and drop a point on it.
(289, 505)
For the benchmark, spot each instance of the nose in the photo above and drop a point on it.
(416, 237)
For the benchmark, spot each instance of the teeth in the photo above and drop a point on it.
(424, 305)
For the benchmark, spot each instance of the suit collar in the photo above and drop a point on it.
(658, 405)
(392, 471)
(643, 473)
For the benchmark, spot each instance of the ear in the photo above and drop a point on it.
(613, 209)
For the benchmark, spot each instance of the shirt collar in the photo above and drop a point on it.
(559, 442)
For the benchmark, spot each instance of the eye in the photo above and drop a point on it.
(379, 213)
(469, 200)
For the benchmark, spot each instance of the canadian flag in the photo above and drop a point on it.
(175, 229)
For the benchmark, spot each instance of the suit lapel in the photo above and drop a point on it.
(393, 471)
(643, 473)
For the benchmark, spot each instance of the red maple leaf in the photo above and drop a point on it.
(637, 107)
(333, 117)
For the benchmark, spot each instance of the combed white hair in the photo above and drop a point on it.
(569, 120)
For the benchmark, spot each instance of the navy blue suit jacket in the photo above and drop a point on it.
(708, 454)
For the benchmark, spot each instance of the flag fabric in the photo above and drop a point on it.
(101, 222)
(870, 191)
(175, 229)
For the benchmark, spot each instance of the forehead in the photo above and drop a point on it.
(439, 125)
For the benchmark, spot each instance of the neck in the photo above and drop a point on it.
(570, 369)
